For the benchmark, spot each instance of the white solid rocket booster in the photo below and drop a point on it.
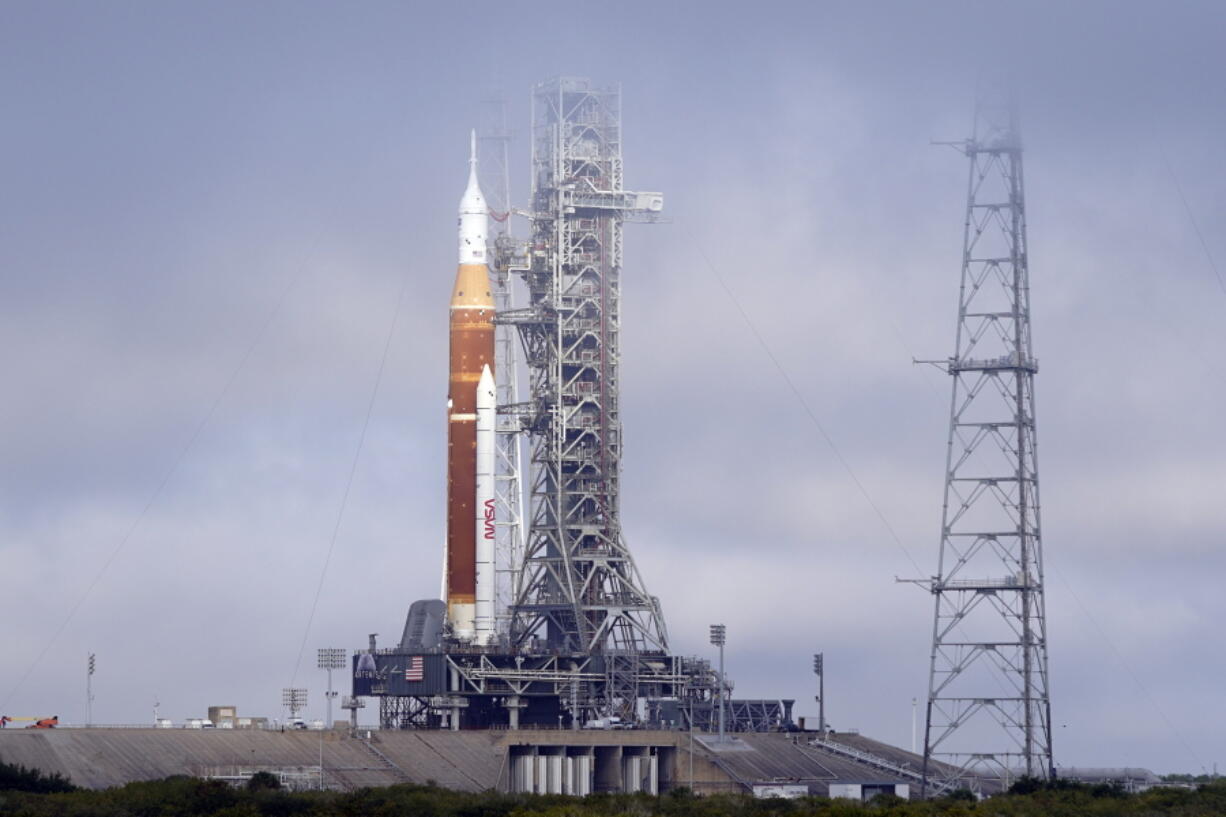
(485, 504)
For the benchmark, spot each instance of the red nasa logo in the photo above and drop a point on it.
(489, 519)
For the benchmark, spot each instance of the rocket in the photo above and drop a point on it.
(470, 395)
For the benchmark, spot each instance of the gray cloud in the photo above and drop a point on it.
(171, 170)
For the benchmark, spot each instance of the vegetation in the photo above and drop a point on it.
(263, 780)
(21, 794)
(1193, 778)
(19, 778)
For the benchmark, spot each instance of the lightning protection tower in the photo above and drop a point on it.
(579, 591)
(989, 711)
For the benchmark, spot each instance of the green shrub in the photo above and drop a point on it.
(19, 778)
(261, 781)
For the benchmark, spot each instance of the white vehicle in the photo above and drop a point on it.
(198, 723)
(164, 723)
(611, 722)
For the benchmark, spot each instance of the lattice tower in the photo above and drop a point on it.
(579, 590)
(495, 139)
(989, 709)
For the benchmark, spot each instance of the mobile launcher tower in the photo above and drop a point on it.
(576, 638)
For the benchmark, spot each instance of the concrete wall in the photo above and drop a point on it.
(565, 761)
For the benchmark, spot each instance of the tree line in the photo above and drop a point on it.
(29, 792)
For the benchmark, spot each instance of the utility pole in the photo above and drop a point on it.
(989, 711)
(718, 637)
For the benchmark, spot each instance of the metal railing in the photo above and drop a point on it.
(387, 762)
(867, 758)
(936, 785)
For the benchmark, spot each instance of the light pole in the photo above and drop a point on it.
(331, 658)
(914, 706)
(294, 698)
(819, 671)
(89, 692)
(692, 746)
(718, 638)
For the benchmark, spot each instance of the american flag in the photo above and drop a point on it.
(416, 670)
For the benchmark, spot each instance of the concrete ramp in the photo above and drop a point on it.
(470, 761)
(101, 758)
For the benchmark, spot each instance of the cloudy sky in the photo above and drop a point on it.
(210, 209)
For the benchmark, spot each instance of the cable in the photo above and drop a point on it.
(1195, 227)
(1192, 348)
(157, 492)
(813, 417)
(1119, 657)
(881, 516)
(353, 468)
(804, 404)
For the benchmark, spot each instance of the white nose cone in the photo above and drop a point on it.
(485, 390)
(473, 214)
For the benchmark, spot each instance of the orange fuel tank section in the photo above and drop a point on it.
(472, 348)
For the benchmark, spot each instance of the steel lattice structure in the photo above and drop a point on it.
(579, 590)
(989, 709)
(496, 182)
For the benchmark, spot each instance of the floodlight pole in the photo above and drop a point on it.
(718, 638)
(294, 698)
(89, 691)
(723, 691)
(330, 658)
(819, 669)
(328, 696)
